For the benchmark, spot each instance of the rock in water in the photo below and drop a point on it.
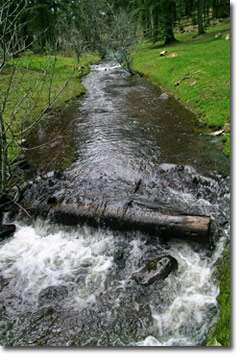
(7, 230)
(3, 282)
(52, 295)
(156, 269)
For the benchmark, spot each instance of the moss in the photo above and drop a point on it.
(227, 144)
(220, 334)
(196, 70)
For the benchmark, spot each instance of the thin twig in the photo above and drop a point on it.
(22, 208)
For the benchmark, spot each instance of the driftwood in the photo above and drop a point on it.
(144, 220)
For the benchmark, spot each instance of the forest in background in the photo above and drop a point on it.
(99, 25)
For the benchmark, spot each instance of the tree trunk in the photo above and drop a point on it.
(156, 25)
(200, 13)
(169, 10)
(3, 155)
(168, 34)
(221, 9)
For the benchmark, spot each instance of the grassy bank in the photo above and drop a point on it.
(196, 70)
(34, 82)
(220, 334)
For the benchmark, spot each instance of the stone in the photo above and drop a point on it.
(193, 82)
(52, 201)
(218, 35)
(3, 282)
(52, 294)
(164, 96)
(119, 258)
(155, 270)
(163, 53)
(217, 133)
(7, 231)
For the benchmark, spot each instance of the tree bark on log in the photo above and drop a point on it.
(151, 222)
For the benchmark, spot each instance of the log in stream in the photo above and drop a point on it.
(155, 223)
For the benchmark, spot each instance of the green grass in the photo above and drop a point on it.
(196, 70)
(29, 92)
(220, 334)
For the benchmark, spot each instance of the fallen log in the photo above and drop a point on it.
(144, 220)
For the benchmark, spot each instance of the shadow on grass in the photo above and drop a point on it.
(192, 38)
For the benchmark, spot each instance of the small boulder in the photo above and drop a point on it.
(164, 96)
(119, 258)
(52, 201)
(52, 295)
(163, 53)
(218, 35)
(217, 133)
(156, 269)
(3, 282)
(7, 230)
(193, 82)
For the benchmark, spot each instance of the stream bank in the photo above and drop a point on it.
(196, 70)
(39, 85)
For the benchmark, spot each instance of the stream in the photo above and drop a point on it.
(73, 285)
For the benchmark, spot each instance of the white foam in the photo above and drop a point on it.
(40, 256)
(184, 319)
(37, 258)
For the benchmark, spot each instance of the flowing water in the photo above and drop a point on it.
(73, 286)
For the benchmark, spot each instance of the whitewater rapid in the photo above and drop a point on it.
(82, 260)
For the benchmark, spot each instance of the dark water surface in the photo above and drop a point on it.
(73, 286)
